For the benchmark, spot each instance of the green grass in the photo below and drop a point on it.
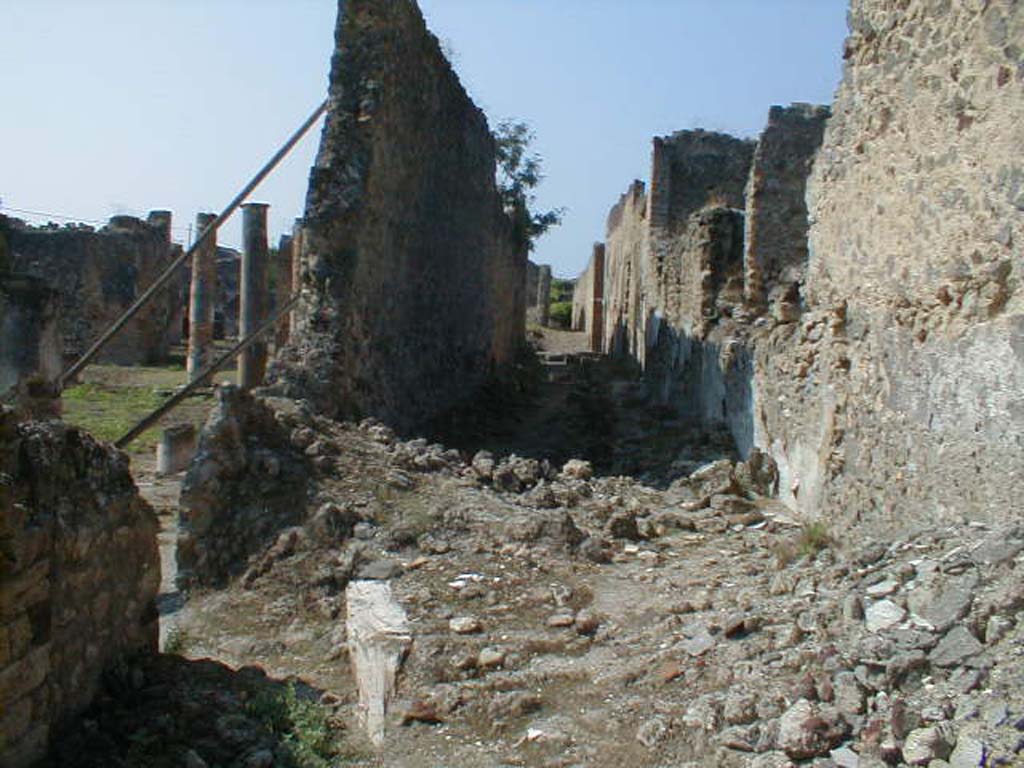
(111, 399)
(814, 537)
(108, 412)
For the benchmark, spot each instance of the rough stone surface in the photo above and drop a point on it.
(97, 274)
(30, 344)
(246, 483)
(413, 279)
(79, 573)
(898, 392)
(775, 254)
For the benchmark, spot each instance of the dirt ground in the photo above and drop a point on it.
(644, 605)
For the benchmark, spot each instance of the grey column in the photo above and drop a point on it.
(283, 287)
(298, 241)
(201, 299)
(252, 294)
(176, 294)
(597, 300)
(544, 294)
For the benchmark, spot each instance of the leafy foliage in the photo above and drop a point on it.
(519, 173)
(560, 314)
(304, 725)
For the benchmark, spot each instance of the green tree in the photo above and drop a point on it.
(519, 173)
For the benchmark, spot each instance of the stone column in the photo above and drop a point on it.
(297, 244)
(176, 294)
(252, 294)
(597, 300)
(201, 299)
(283, 287)
(543, 294)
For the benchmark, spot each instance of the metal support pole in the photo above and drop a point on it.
(173, 267)
(192, 386)
(252, 293)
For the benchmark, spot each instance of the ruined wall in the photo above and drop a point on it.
(246, 483)
(626, 242)
(79, 574)
(588, 300)
(776, 214)
(98, 274)
(413, 282)
(897, 396)
(673, 267)
(29, 336)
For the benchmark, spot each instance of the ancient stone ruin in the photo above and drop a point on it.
(413, 282)
(789, 534)
(97, 274)
(79, 574)
(867, 343)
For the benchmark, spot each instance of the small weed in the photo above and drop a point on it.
(302, 724)
(814, 537)
(177, 641)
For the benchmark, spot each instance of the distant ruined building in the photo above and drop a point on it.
(844, 295)
(96, 275)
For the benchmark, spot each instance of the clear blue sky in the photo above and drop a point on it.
(120, 106)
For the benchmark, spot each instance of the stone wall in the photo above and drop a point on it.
(79, 573)
(413, 282)
(246, 483)
(30, 342)
(626, 244)
(776, 223)
(897, 396)
(97, 275)
(588, 300)
(872, 340)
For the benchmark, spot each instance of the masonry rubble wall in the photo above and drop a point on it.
(30, 344)
(673, 263)
(79, 574)
(245, 484)
(897, 395)
(413, 279)
(775, 256)
(626, 243)
(588, 299)
(97, 275)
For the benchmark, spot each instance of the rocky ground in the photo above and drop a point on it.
(652, 607)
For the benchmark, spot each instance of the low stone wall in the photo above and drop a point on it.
(79, 574)
(246, 483)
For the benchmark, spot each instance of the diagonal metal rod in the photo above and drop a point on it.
(168, 273)
(208, 371)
